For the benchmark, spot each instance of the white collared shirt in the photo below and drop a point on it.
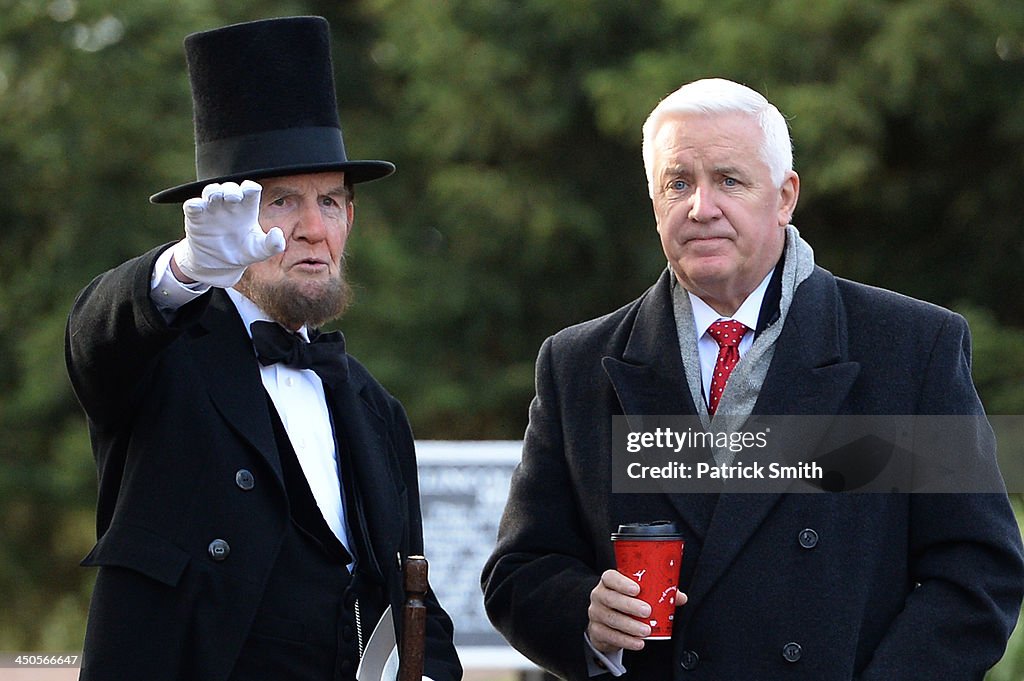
(704, 316)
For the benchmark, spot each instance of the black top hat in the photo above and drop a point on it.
(264, 103)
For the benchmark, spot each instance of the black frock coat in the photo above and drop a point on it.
(175, 412)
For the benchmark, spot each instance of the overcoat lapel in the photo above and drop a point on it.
(649, 380)
(808, 376)
(362, 435)
(224, 351)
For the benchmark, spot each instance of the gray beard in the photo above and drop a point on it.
(292, 304)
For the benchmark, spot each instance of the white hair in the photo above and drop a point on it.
(717, 95)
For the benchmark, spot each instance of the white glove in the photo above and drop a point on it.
(223, 234)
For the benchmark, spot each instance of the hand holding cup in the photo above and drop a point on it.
(617, 616)
(650, 555)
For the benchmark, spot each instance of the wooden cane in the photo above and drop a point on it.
(414, 620)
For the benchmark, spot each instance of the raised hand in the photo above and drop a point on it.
(223, 234)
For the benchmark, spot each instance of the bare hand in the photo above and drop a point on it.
(613, 604)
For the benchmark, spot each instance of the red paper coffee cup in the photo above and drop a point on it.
(650, 554)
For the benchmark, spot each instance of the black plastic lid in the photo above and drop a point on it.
(656, 530)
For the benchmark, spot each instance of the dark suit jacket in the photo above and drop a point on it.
(893, 586)
(174, 412)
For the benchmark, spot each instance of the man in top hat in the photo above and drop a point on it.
(257, 487)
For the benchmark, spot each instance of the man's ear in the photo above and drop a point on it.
(789, 193)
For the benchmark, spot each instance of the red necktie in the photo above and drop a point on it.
(728, 335)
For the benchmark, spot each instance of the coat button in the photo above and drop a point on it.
(245, 480)
(791, 652)
(689, 660)
(808, 538)
(218, 549)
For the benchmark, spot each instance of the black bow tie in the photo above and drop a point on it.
(325, 354)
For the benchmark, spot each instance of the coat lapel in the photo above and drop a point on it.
(808, 376)
(224, 351)
(649, 380)
(362, 435)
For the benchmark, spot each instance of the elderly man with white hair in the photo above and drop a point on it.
(743, 325)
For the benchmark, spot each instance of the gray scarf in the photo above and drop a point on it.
(746, 379)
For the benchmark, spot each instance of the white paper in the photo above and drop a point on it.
(380, 657)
